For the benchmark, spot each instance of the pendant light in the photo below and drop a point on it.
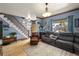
(47, 13)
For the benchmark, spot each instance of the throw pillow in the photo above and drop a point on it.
(53, 36)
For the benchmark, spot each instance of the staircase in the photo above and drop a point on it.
(12, 21)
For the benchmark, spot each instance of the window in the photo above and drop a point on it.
(60, 25)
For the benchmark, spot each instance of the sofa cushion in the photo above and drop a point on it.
(66, 34)
(77, 38)
(76, 48)
(77, 34)
(46, 39)
(64, 45)
(66, 37)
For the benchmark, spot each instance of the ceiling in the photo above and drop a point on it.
(22, 9)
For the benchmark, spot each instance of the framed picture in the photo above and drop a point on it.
(77, 22)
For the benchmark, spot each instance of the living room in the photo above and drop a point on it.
(28, 28)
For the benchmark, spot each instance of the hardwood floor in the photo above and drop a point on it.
(16, 48)
(23, 48)
(0, 50)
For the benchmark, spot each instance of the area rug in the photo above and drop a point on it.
(43, 49)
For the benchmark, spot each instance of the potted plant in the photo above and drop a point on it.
(13, 34)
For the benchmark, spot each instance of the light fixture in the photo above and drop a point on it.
(47, 13)
(23, 22)
(28, 17)
(31, 17)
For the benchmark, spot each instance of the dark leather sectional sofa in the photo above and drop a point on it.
(76, 43)
(45, 38)
(66, 41)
